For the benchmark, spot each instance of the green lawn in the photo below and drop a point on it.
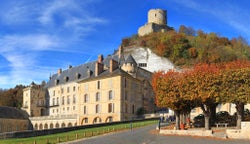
(78, 134)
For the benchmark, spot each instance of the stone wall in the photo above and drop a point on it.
(33, 133)
(243, 133)
(8, 125)
(157, 22)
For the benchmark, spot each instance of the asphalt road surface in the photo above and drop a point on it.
(148, 135)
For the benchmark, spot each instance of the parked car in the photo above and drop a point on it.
(225, 117)
(199, 121)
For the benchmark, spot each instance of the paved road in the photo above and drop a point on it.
(147, 135)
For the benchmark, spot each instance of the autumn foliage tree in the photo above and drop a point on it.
(170, 92)
(236, 86)
(206, 86)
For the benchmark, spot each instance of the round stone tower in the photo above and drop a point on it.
(157, 16)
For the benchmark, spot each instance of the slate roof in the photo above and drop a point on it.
(12, 113)
(80, 72)
(130, 59)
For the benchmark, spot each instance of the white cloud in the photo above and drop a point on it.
(39, 28)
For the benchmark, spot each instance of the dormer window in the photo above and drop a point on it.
(142, 64)
(66, 79)
(78, 76)
(57, 81)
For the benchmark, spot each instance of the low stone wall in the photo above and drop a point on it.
(32, 133)
(243, 133)
(188, 132)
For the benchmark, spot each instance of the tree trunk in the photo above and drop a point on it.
(207, 114)
(207, 123)
(177, 120)
(240, 114)
(213, 114)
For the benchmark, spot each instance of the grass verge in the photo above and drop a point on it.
(78, 134)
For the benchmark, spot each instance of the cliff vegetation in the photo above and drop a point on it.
(186, 46)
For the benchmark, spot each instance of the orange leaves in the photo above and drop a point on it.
(205, 83)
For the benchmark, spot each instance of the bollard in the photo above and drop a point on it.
(34, 142)
(47, 141)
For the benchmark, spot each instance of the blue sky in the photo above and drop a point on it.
(39, 37)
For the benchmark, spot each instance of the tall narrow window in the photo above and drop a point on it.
(126, 108)
(85, 110)
(74, 99)
(97, 97)
(110, 95)
(125, 82)
(97, 108)
(63, 100)
(98, 84)
(68, 100)
(68, 89)
(111, 108)
(126, 95)
(57, 101)
(86, 98)
(62, 90)
(133, 109)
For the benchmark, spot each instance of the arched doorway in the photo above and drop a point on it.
(97, 120)
(84, 121)
(40, 126)
(109, 119)
(36, 126)
(46, 126)
(51, 126)
(63, 125)
(69, 124)
(57, 125)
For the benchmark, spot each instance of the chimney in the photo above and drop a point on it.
(120, 51)
(70, 66)
(100, 58)
(113, 65)
(59, 71)
(98, 68)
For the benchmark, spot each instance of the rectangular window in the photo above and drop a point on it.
(86, 98)
(68, 89)
(126, 95)
(111, 95)
(98, 84)
(111, 108)
(68, 100)
(85, 110)
(98, 97)
(142, 64)
(74, 99)
(63, 100)
(125, 82)
(53, 102)
(97, 108)
(62, 90)
(126, 108)
(74, 88)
